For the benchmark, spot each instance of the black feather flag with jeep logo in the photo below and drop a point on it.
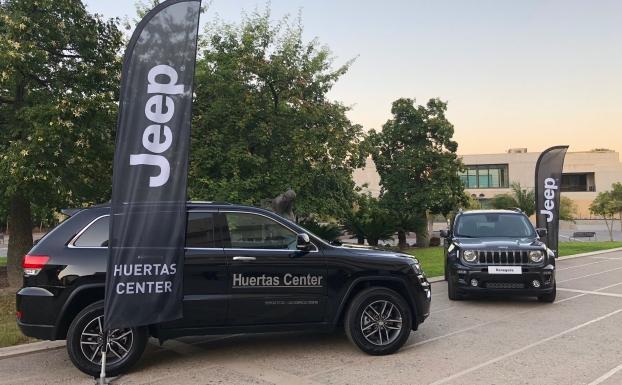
(548, 189)
(147, 231)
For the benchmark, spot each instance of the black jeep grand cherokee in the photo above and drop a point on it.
(497, 251)
(234, 255)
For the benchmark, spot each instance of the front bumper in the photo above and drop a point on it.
(465, 276)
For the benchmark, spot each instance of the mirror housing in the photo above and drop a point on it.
(541, 232)
(303, 242)
(444, 233)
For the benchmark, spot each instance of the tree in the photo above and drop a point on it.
(616, 196)
(369, 220)
(327, 231)
(567, 209)
(263, 122)
(524, 199)
(604, 206)
(416, 159)
(59, 75)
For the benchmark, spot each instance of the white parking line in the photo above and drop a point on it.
(607, 375)
(590, 275)
(585, 264)
(608, 286)
(610, 259)
(590, 292)
(524, 348)
(482, 324)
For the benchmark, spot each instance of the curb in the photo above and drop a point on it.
(590, 253)
(34, 347)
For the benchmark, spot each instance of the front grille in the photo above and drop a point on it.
(505, 285)
(505, 257)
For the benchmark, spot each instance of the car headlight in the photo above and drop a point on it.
(416, 267)
(469, 255)
(536, 256)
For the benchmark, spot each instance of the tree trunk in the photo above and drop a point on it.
(360, 240)
(20, 240)
(372, 241)
(423, 236)
(609, 228)
(401, 239)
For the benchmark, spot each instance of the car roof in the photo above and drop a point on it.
(492, 211)
(190, 205)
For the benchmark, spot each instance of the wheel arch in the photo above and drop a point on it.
(80, 298)
(394, 283)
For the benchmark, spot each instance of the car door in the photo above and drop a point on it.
(271, 282)
(205, 274)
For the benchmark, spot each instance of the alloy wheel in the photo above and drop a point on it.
(381, 322)
(92, 341)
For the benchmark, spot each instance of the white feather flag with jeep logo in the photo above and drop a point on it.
(147, 232)
(548, 189)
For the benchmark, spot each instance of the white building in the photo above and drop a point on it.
(585, 174)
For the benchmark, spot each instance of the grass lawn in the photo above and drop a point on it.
(2, 261)
(571, 248)
(9, 333)
(432, 259)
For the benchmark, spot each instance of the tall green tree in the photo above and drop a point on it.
(59, 75)
(604, 205)
(263, 122)
(616, 196)
(415, 156)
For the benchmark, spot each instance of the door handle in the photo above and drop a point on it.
(243, 258)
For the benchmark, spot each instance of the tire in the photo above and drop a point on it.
(387, 338)
(452, 292)
(550, 298)
(80, 346)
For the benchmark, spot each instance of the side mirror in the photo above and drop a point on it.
(541, 233)
(444, 233)
(304, 242)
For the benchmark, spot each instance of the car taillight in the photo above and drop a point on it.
(33, 264)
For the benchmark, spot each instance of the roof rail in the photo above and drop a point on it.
(517, 209)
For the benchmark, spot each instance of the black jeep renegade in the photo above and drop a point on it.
(245, 270)
(497, 251)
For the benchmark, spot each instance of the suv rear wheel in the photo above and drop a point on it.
(85, 342)
(378, 321)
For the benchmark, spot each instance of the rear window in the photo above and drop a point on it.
(95, 235)
(199, 233)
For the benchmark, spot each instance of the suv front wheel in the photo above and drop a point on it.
(378, 321)
(85, 342)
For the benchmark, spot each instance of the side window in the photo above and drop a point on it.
(96, 235)
(200, 230)
(250, 231)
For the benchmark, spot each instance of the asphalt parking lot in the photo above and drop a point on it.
(576, 340)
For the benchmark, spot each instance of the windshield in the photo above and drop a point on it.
(493, 225)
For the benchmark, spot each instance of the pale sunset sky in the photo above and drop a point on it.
(529, 73)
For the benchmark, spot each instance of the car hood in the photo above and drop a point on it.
(498, 243)
(373, 252)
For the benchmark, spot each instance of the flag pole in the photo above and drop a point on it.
(102, 373)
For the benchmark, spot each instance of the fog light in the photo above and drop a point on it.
(474, 282)
(536, 283)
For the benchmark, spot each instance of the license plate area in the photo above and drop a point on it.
(505, 270)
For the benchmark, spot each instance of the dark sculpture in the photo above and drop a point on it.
(284, 204)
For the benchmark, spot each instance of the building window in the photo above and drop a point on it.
(578, 182)
(485, 176)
